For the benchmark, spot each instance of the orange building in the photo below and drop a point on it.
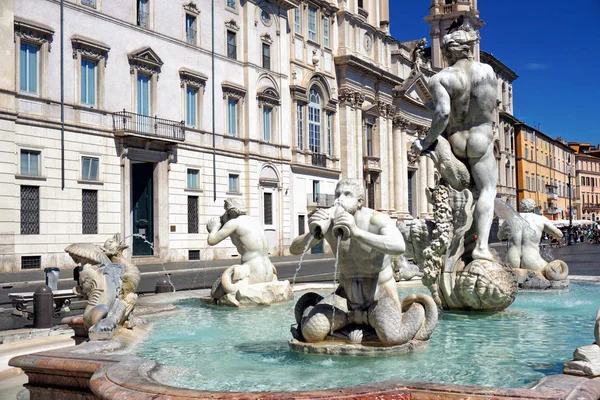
(543, 165)
(587, 193)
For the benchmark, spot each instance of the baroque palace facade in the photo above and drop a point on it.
(158, 127)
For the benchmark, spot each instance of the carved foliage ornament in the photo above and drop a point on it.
(268, 97)
(190, 78)
(89, 49)
(33, 33)
(192, 8)
(232, 25)
(386, 110)
(233, 91)
(351, 97)
(400, 122)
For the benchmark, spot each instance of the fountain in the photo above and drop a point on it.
(254, 282)
(524, 231)
(511, 353)
(364, 314)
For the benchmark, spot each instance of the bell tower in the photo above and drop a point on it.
(442, 14)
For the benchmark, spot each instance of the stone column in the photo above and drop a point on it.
(422, 187)
(390, 165)
(400, 173)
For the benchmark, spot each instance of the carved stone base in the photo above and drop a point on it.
(532, 280)
(340, 347)
(586, 362)
(482, 285)
(259, 294)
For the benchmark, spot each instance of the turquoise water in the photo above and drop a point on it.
(246, 349)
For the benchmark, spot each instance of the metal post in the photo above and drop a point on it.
(43, 307)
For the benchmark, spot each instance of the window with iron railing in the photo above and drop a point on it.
(30, 210)
(89, 212)
(193, 218)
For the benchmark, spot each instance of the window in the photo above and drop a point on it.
(89, 212)
(30, 210)
(89, 3)
(312, 23)
(193, 178)
(266, 56)
(193, 255)
(89, 168)
(231, 4)
(297, 21)
(232, 105)
(301, 224)
(143, 13)
(30, 163)
(528, 183)
(190, 29)
(329, 123)
(31, 262)
(231, 45)
(526, 153)
(268, 208)
(300, 119)
(143, 94)
(191, 106)
(88, 82)
(360, 3)
(316, 191)
(267, 114)
(314, 121)
(234, 184)
(29, 68)
(193, 219)
(326, 32)
(369, 139)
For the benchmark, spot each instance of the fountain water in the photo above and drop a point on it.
(162, 263)
(311, 237)
(335, 272)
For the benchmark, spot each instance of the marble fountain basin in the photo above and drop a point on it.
(203, 351)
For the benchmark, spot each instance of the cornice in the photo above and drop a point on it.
(367, 68)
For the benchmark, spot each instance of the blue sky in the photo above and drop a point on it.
(552, 45)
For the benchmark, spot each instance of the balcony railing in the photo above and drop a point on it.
(591, 206)
(552, 196)
(320, 199)
(125, 122)
(320, 160)
(551, 211)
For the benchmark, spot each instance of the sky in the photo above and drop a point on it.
(553, 46)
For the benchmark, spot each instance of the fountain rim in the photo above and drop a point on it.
(114, 376)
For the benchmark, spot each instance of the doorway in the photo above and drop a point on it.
(142, 207)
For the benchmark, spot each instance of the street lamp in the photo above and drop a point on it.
(571, 240)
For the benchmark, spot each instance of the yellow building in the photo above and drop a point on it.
(543, 165)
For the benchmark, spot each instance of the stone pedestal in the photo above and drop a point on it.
(259, 294)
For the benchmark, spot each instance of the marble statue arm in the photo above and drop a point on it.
(441, 115)
(218, 235)
(552, 230)
(299, 244)
(388, 240)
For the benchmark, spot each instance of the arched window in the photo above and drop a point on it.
(314, 120)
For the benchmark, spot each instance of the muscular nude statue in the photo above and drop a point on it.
(523, 233)
(367, 293)
(249, 239)
(465, 98)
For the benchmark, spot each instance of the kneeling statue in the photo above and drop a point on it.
(254, 281)
(524, 232)
(365, 306)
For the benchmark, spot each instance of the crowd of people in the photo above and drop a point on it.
(581, 234)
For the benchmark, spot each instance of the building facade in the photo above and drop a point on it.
(143, 151)
(543, 168)
(587, 179)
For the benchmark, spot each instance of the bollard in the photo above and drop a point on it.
(52, 274)
(43, 307)
(163, 286)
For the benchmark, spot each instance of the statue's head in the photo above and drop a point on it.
(527, 205)
(459, 44)
(234, 208)
(349, 193)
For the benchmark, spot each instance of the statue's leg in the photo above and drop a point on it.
(316, 321)
(393, 327)
(485, 177)
(93, 315)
